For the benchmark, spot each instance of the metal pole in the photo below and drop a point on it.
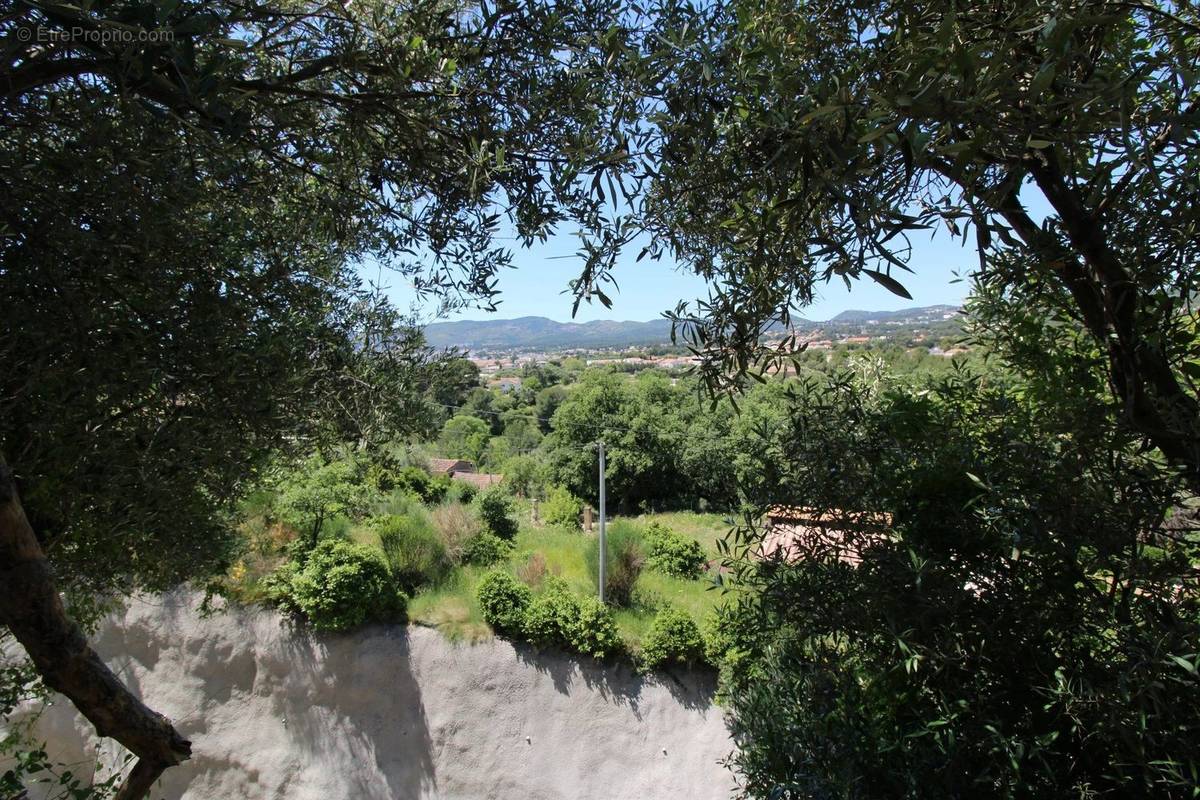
(603, 548)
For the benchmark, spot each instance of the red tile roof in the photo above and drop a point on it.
(449, 466)
(793, 533)
(480, 480)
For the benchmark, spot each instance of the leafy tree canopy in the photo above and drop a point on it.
(794, 143)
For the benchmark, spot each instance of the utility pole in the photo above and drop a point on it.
(603, 549)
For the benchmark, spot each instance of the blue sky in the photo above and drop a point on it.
(536, 287)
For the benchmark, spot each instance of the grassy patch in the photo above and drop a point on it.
(539, 552)
(451, 607)
(704, 528)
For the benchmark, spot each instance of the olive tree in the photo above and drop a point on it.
(188, 191)
(790, 143)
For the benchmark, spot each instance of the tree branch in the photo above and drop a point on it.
(32, 609)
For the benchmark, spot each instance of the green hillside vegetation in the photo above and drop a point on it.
(679, 470)
(430, 547)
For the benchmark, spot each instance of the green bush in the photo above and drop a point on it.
(340, 586)
(594, 632)
(724, 648)
(316, 491)
(504, 601)
(673, 554)
(553, 615)
(485, 549)
(415, 481)
(718, 638)
(495, 509)
(457, 491)
(277, 587)
(674, 638)
(414, 551)
(522, 475)
(439, 489)
(625, 555)
(561, 508)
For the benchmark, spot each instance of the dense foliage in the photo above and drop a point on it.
(495, 509)
(674, 638)
(1027, 625)
(504, 601)
(797, 143)
(673, 554)
(414, 550)
(485, 549)
(552, 616)
(593, 631)
(339, 585)
(561, 508)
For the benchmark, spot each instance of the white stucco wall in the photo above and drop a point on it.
(395, 712)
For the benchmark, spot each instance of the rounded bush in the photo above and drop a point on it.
(673, 554)
(674, 638)
(594, 632)
(561, 508)
(495, 509)
(485, 549)
(277, 587)
(413, 549)
(504, 601)
(553, 616)
(342, 585)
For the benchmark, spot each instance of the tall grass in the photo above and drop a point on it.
(624, 557)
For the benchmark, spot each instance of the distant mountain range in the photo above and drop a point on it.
(536, 333)
(540, 333)
(907, 315)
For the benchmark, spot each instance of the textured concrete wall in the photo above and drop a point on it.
(393, 712)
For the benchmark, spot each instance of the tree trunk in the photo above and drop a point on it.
(1154, 402)
(31, 608)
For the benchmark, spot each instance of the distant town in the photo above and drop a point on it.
(497, 347)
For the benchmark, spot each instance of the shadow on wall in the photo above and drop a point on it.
(617, 681)
(365, 707)
(275, 710)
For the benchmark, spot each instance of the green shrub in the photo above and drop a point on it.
(673, 639)
(441, 488)
(341, 585)
(522, 475)
(673, 554)
(718, 638)
(485, 549)
(413, 549)
(725, 648)
(558, 618)
(277, 587)
(415, 481)
(561, 508)
(495, 509)
(504, 601)
(594, 632)
(552, 617)
(316, 491)
(625, 555)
